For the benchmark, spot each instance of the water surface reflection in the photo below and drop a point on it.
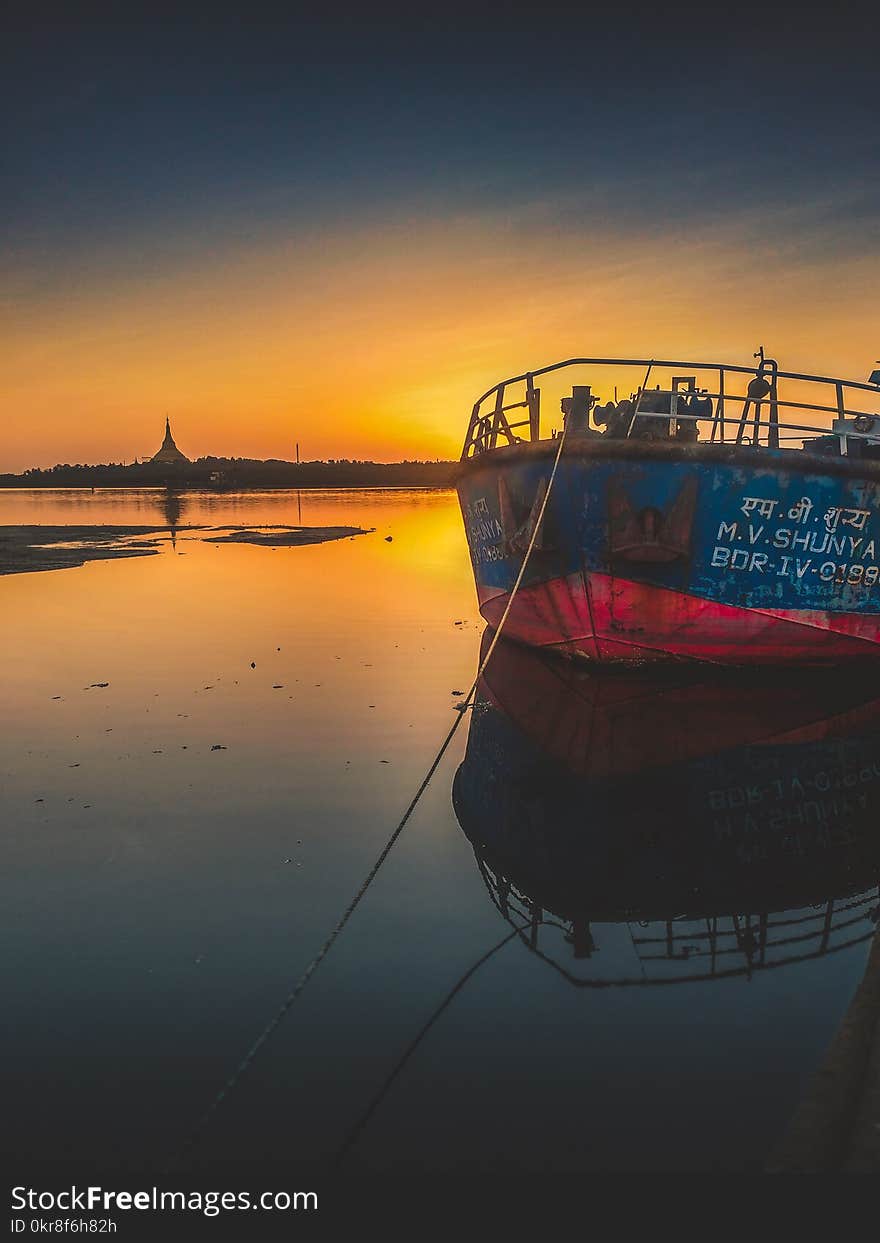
(211, 746)
(728, 825)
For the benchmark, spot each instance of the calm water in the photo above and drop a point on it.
(180, 841)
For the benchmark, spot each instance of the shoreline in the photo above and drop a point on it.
(224, 475)
(230, 491)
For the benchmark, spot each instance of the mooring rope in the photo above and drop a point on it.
(325, 949)
(638, 405)
(356, 1131)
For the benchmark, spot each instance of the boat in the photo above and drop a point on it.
(719, 514)
(689, 824)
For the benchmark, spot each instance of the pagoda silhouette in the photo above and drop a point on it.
(169, 453)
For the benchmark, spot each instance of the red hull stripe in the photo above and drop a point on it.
(614, 619)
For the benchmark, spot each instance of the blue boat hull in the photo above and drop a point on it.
(668, 552)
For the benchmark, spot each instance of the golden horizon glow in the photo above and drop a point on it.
(375, 343)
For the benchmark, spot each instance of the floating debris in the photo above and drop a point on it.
(218, 746)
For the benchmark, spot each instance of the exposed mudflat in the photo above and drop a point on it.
(28, 549)
(24, 549)
(282, 536)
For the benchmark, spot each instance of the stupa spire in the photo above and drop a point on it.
(169, 451)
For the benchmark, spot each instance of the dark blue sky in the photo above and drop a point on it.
(164, 130)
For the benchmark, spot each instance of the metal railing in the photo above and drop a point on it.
(686, 949)
(742, 406)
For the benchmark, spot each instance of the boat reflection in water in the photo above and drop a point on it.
(726, 825)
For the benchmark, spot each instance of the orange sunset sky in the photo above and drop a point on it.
(349, 261)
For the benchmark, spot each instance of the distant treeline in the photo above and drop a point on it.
(239, 473)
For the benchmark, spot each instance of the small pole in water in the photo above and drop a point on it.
(297, 453)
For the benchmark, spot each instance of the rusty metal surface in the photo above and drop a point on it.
(650, 553)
